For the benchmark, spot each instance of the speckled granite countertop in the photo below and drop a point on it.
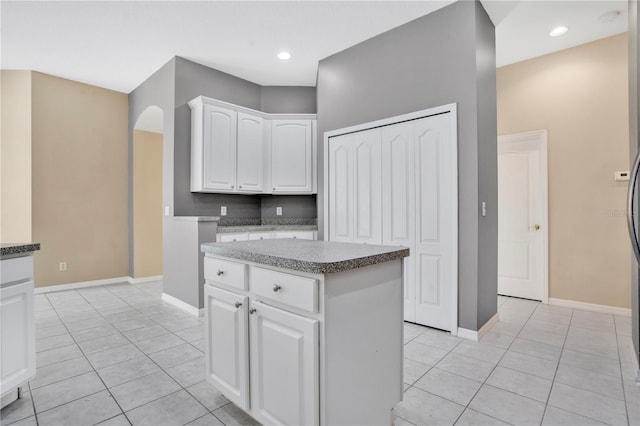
(265, 228)
(318, 257)
(10, 249)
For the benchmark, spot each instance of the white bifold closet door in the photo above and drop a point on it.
(393, 185)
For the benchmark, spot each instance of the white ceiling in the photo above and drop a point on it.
(117, 45)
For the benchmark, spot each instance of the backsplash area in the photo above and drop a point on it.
(296, 210)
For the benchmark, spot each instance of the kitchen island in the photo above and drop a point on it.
(305, 332)
(17, 328)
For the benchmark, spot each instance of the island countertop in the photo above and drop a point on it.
(318, 257)
(14, 249)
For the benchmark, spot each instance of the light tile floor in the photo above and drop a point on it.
(118, 355)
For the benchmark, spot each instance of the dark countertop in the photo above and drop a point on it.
(318, 257)
(9, 249)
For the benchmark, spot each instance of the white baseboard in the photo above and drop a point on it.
(182, 305)
(477, 335)
(82, 284)
(144, 279)
(634, 361)
(603, 309)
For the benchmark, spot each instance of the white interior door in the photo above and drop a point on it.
(522, 211)
(435, 254)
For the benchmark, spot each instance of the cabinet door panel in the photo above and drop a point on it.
(340, 181)
(18, 362)
(219, 148)
(367, 187)
(291, 168)
(227, 355)
(284, 367)
(250, 153)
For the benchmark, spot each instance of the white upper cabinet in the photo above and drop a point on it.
(239, 150)
(251, 149)
(291, 157)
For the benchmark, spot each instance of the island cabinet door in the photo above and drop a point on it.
(284, 367)
(227, 340)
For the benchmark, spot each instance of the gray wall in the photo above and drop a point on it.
(293, 207)
(286, 99)
(634, 137)
(447, 56)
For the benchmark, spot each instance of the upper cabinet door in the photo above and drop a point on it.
(219, 148)
(250, 153)
(291, 156)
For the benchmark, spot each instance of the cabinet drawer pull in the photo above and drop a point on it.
(252, 311)
(276, 287)
(220, 272)
(238, 304)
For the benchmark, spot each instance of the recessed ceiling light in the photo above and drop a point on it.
(558, 31)
(285, 56)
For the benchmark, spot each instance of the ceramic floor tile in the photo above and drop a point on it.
(507, 406)
(18, 409)
(29, 421)
(542, 336)
(413, 370)
(183, 324)
(159, 343)
(593, 363)
(145, 333)
(633, 410)
(103, 343)
(588, 404)
(176, 355)
(56, 355)
(411, 331)
(143, 390)
(533, 387)
(59, 393)
(189, 373)
(93, 333)
(114, 356)
(508, 328)
(191, 334)
(467, 367)
(556, 417)
(208, 395)
(481, 351)
(53, 342)
(423, 408)
(541, 350)
(425, 354)
(177, 408)
(548, 327)
(84, 324)
(438, 339)
(120, 420)
(399, 421)
(588, 380)
(498, 338)
(122, 315)
(132, 324)
(592, 342)
(126, 371)
(84, 411)
(56, 330)
(206, 420)
(474, 418)
(529, 364)
(60, 371)
(448, 385)
(199, 344)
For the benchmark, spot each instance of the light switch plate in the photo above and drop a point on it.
(223, 210)
(484, 208)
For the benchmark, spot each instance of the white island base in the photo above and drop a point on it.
(300, 348)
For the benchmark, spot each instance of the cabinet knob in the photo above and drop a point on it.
(238, 304)
(252, 311)
(274, 189)
(239, 186)
(276, 287)
(220, 271)
(233, 186)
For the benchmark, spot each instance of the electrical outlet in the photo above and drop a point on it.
(63, 266)
(278, 211)
(167, 211)
(223, 210)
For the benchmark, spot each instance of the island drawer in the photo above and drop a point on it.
(294, 290)
(225, 272)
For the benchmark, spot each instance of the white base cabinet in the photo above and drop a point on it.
(265, 235)
(296, 348)
(17, 324)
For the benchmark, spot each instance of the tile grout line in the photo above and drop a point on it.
(624, 391)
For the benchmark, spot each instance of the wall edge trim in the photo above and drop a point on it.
(80, 284)
(584, 306)
(635, 365)
(182, 305)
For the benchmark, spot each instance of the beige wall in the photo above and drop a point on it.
(580, 96)
(79, 171)
(147, 204)
(15, 156)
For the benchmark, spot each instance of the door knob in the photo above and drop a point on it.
(238, 304)
(220, 271)
(535, 227)
(252, 311)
